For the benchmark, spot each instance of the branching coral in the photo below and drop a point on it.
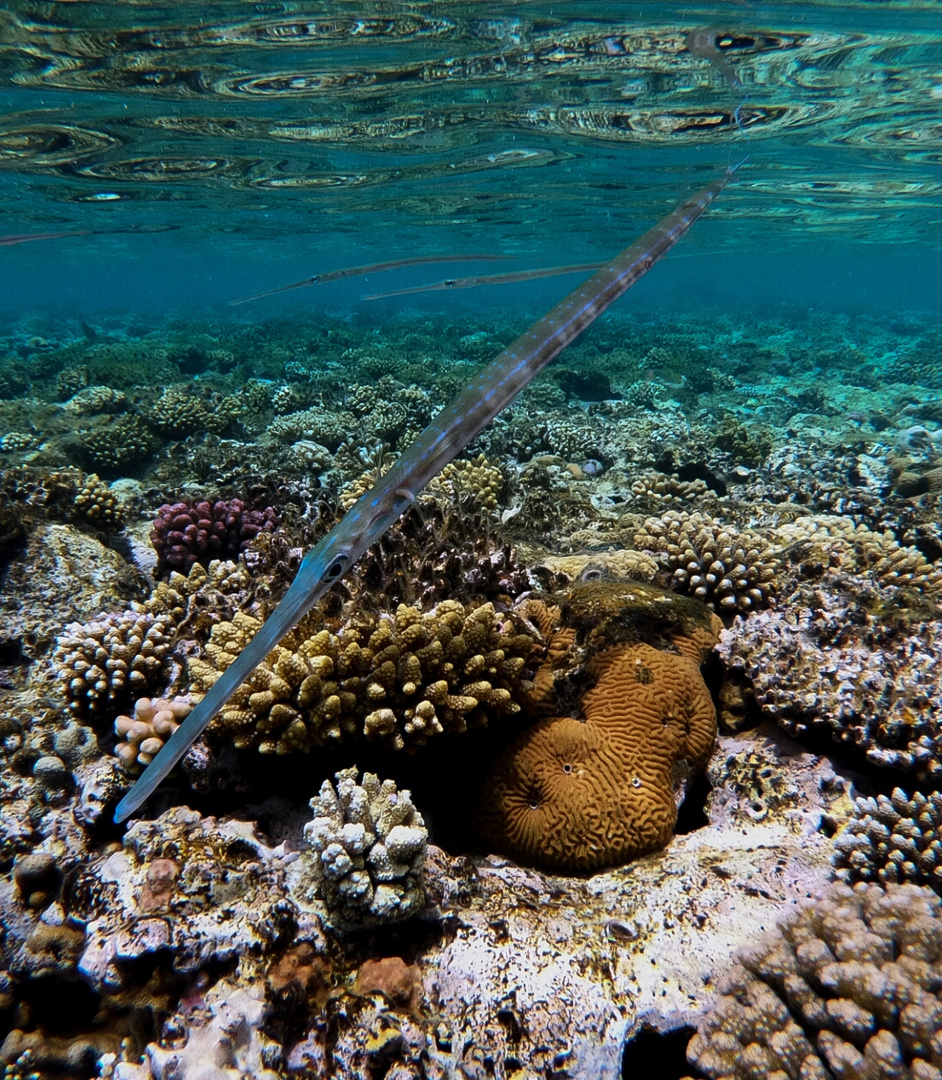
(203, 597)
(189, 532)
(142, 735)
(731, 569)
(369, 845)
(104, 663)
(895, 839)
(97, 503)
(849, 986)
(123, 443)
(397, 679)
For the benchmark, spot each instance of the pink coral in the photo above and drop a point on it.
(189, 532)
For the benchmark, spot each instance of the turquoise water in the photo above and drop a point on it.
(222, 149)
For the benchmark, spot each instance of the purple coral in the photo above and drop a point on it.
(189, 532)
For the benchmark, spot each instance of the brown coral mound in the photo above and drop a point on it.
(581, 794)
(849, 985)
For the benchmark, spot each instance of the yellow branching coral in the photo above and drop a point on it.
(399, 679)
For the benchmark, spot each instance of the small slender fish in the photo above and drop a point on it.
(444, 438)
(370, 268)
(490, 279)
(26, 238)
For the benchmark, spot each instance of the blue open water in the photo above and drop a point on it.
(220, 149)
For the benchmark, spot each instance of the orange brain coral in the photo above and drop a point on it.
(581, 794)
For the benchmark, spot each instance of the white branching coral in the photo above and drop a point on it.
(369, 844)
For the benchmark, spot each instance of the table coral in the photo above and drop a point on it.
(369, 845)
(848, 985)
(893, 839)
(579, 794)
(398, 679)
(189, 532)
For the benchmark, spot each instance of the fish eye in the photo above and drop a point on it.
(335, 568)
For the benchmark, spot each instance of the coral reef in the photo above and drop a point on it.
(849, 657)
(833, 541)
(101, 664)
(369, 844)
(205, 596)
(730, 569)
(892, 839)
(848, 985)
(399, 679)
(189, 532)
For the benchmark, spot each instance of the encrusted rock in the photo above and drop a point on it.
(848, 657)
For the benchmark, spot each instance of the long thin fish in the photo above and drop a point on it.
(444, 438)
(369, 268)
(26, 238)
(490, 279)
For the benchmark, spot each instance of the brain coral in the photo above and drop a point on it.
(573, 794)
(397, 679)
(893, 839)
(848, 986)
(369, 845)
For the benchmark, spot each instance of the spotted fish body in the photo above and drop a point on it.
(492, 390)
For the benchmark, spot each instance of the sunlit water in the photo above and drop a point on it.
(215, 150)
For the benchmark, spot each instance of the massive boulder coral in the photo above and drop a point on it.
(893, 839)
(399, 679)
(369, 844)
(579, 794)
(731, 569)
(849, 985)
(848, 657)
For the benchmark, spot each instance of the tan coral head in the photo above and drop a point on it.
(581, 794)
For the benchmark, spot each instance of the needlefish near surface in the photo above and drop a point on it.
(445, 437)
